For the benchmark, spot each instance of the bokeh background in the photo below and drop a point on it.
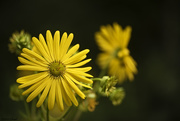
(154, 95)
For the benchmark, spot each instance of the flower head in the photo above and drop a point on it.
(117, 96)
(58, 70)
(20, 40)
(107, 85)
(113, 41)
(15, 93)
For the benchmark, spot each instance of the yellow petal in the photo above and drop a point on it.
(74, 87)
(59, 99)
(34, 55)
(61, 46)
(77, 82)
(69, 92)
(51, 98)
(103, 44)
(37, 91)
(70, 52)
(31, 68)
(126, 36)
(26, 62)
(44, 94)
(81, 78)
(28, 78)
(42, 40)
(49, 40)
(33, 60)
(76, 57)
(81, 73)
(118, 33)
(30, 82)
(80, 63)
(56, 45)
(41, 49)
(33, 87)
(67, 44)
(83, 69)
(64, 94)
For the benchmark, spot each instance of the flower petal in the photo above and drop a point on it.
(42, 40)
(41, 76)
(37, 90)
(67, 44)
(33, 60)
(59, 99)
(76, 57)
(61, 46)
(81, 78)
(74, 87)
(69, 92)
(56, 45)
(49, 40)
(80, 63)
(34, 55)
(31, 68)
(28, 78)
(65, 96)
(70, 52)
(26, 62)
(77, 82)
(41, 49)
(51, 98)
(44, 94)
(78, 72)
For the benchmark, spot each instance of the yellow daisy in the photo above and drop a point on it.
(58, 70)
(113, 41)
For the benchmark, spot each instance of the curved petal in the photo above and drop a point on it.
(56, 45)
(37, 90)
(76, 57)
(59, 99)
(74, 87)
(44, 94)
(70, 52)
(51, 98)
(49, 40)
(80, 63)
(41, 49)
(69, 93)
(77, 82)
(30, 82)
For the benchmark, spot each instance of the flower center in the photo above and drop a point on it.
(57, 68)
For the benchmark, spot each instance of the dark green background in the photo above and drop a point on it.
(154, 94)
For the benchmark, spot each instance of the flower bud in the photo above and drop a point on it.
(19, 40)
(117, 96)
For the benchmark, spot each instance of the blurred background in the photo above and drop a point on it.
(154, 95)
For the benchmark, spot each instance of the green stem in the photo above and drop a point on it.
(47, 114)
(33, 108)
(27, 108)
(103, 72)
(78, 115)
(96, 79)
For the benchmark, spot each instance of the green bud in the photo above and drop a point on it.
(15, 93)
(117, 96)
(19, 40)
(107, 85)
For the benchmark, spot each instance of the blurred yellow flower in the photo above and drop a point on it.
(113, 41)
(58, 70)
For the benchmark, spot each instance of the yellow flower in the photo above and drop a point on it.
(59, 71)
(113, 41)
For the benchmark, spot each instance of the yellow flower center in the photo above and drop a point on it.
(123, 52)
(57, 68)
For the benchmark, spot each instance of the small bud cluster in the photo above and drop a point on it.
(19, 40)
